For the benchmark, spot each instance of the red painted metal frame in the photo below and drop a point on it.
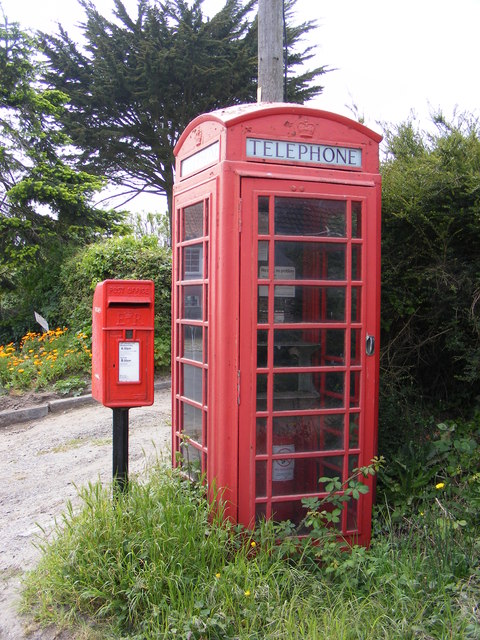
(229, 182)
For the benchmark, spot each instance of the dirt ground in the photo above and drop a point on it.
(42, 465)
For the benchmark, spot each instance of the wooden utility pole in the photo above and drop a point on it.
(270, 51)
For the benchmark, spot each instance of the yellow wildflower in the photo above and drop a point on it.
(247, 592)
(439, 485)
(217, 575)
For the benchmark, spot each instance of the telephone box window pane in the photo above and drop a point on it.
(317, 390)
(309, 261)
(192, 302)
(354, 429)
(261, 440)
(262, 348)
(261, 478)
(356, 304)
(356, 262)
(310, 217)
(262, 379)
(309, 347)
(193, 262)
(356, 219)
(192, 347)
(309, 304)
(205, 355)
(352, 464)
(311, 433)
(191, 461)
(263, 204)
(355, 340)
(291, 510)
(262, 304)
(193, 221)
(192, 382)
(263, 259)
(300, 476)
(206, 304)
(192, 422)
(355, 388)
(260, 512)
(352, 515)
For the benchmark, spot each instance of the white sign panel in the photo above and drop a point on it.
(283, 470)
(321, 154)
(41, 321)
(281, 273)
(201, 159)
(129, 362)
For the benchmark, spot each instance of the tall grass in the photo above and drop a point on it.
(158, 562)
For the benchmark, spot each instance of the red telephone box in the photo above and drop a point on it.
(276, 249)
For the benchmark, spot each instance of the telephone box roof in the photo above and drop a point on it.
(231, 116)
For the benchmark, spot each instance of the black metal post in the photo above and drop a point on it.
(120, 449)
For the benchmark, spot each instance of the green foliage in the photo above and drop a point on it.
(45, 204)
(442, 465)
(159, 562)
(44, 359)
(119, 258)
(137, 81)
(430, 269)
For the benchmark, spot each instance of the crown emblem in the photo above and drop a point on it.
(305, 129)
(198, 137)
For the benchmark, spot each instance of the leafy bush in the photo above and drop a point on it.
(430, 272)
(119, 258)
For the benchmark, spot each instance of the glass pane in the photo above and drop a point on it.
(356, 304)
(352, 515)
(263, 202)
(311, 433)
(192, 302)
(356, 219)
(330, 467)
(193, 221)
(192, 382)
(260, 512)
(263, 259)
(192, 422)
(309, 347)
(191, 461)
(206, 303)
(354, 429)
(310, 217)
(356, 262)
(355, 388)
(309, 261)
(355, 340)
(262, 379)
(205, 355)
(292, 391)
(192, 347)
(291, 510)
(261, 478)
(261, 439)
(192, 262)
(300, 476)
(262, 304)
(262, 348)
(309, 304)
(352, 463)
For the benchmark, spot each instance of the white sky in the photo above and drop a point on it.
(391, 58)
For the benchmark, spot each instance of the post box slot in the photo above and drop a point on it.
(128, 304)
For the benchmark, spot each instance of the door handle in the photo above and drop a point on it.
(370, 345)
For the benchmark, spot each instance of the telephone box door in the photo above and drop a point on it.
(308, 358)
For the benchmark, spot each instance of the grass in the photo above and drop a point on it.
(158, 562)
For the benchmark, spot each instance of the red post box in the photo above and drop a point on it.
(276, 294)
(122, 343)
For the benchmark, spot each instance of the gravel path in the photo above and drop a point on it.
(42, 463)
